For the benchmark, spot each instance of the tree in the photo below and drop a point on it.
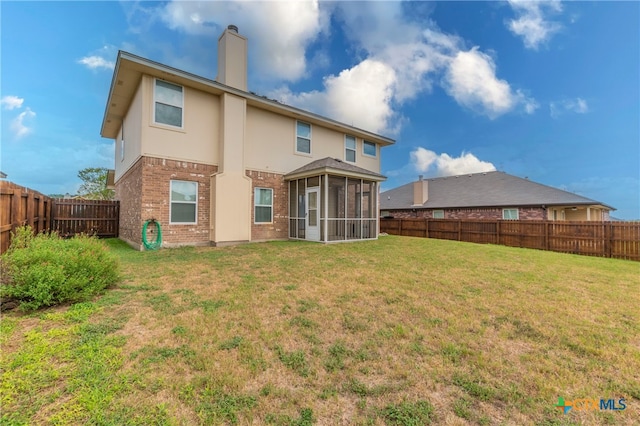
(94, 184)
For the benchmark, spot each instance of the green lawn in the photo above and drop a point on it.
(399, 331)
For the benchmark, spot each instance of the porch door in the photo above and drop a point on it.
(312, 224)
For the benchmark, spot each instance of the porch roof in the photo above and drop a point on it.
(333, 166)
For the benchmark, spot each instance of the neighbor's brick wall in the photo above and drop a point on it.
(525, 213)
(155, 203)
(128, 190)
(279, 228)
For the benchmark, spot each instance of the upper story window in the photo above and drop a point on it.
(169, 100)
(510, 214)
(350, 148)
(184, 202)
(369, 148)
(303, 137)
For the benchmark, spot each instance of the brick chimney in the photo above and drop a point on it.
(232, 59)
(420, 191)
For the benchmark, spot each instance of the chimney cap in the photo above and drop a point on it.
(420, 177)
(233, 28)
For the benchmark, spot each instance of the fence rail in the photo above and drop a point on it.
(23, 206)
(607, 239)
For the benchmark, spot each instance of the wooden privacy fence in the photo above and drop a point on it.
(92, 217)
(609, 239)
(23, 206)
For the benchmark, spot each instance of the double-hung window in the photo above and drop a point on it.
(510, 214)
(369, 148)
(184, 202)
(303, 137)
(169, 100)
(349, 149)
(263, 205)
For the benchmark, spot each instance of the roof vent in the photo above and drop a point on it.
(233, 28)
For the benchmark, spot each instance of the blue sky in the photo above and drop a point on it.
(546, 90)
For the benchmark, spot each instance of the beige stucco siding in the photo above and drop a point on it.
(196, 141)
(131, 129)
(271, 143)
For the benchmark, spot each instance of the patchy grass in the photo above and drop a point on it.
(398, 331)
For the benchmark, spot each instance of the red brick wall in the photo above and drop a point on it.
(129, 192)
(279, 228)
(524, 213)
(156, 176)
(144, 193)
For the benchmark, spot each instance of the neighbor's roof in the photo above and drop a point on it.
(335, 166)
(490, 189)
(130, 68)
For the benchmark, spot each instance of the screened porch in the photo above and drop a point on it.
(337, 205)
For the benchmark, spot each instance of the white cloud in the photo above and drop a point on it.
(279, 32)
(21, 125)
(532, 23)
(471, 80)
(96, 62)
(359, 96)
(427, 161)
(577, 106)
(11, 102)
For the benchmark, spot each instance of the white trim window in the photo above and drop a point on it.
(263, 205)
(168, 101)
(183, 202)
(438, 214)
(303, 137)
(369, 149)
(510, 214)
(349, 148)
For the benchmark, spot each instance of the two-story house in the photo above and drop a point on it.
(216, 164)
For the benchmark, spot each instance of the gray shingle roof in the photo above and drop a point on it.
(490, 189)
(327, 164)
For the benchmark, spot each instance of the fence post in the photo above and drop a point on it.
(400, 227)
(497, 231)
(546, 235)
(459, 230)
(608, 236)
(426, 231)
(15, 209)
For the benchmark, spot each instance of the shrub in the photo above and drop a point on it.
(45, 270)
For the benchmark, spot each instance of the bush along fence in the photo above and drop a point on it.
(607, 239)
(23, 206)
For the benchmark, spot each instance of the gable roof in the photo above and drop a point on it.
(490, 189)
(333, 165)
(130, 68)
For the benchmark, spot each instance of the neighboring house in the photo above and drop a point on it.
(490, 195)
(216, 164)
